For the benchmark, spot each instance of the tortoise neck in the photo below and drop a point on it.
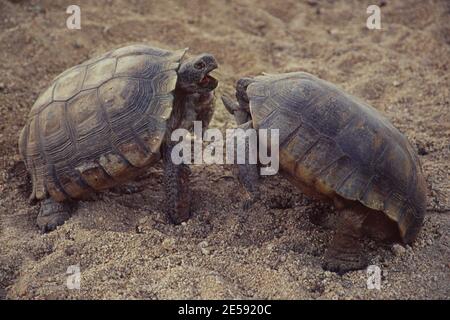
(178, 110)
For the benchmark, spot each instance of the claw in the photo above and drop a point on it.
(229, 104)
(248, 204)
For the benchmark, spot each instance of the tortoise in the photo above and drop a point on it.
(337, 148)
(103, 122)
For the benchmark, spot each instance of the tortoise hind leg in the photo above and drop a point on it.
(52, 214)
(345, 253)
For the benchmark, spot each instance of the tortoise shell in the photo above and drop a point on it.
(100, 122)
(340, 147)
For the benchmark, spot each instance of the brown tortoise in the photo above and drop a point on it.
(102, 122)
(336, 147)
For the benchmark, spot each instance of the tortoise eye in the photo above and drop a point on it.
(199, 65)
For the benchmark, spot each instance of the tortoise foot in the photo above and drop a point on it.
(51, 215)
(344, 263)
(249, 203)
(179, 206)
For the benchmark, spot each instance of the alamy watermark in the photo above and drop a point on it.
(74, 20)
(240, 146)
(374, 20)
(73, 281)
(373, 277)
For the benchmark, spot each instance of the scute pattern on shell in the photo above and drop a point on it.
(338, 145)
(99, 123)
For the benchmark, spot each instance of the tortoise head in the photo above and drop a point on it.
(241, 92)
(193, 74)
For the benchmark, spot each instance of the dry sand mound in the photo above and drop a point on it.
(123, 243)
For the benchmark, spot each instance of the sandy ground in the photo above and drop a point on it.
(123, 243)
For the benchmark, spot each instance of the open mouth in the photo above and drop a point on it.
(208, 81)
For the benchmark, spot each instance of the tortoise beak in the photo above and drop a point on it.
(207, 80)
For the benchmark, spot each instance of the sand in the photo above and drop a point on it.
(122, 242)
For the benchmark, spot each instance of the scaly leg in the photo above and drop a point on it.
(345, 253)
(248, 174)
(176, 184)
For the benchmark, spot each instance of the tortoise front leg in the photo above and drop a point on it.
(52, 214)
(176, 185)
(248, 174)
(240, 114)
(345, 252)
